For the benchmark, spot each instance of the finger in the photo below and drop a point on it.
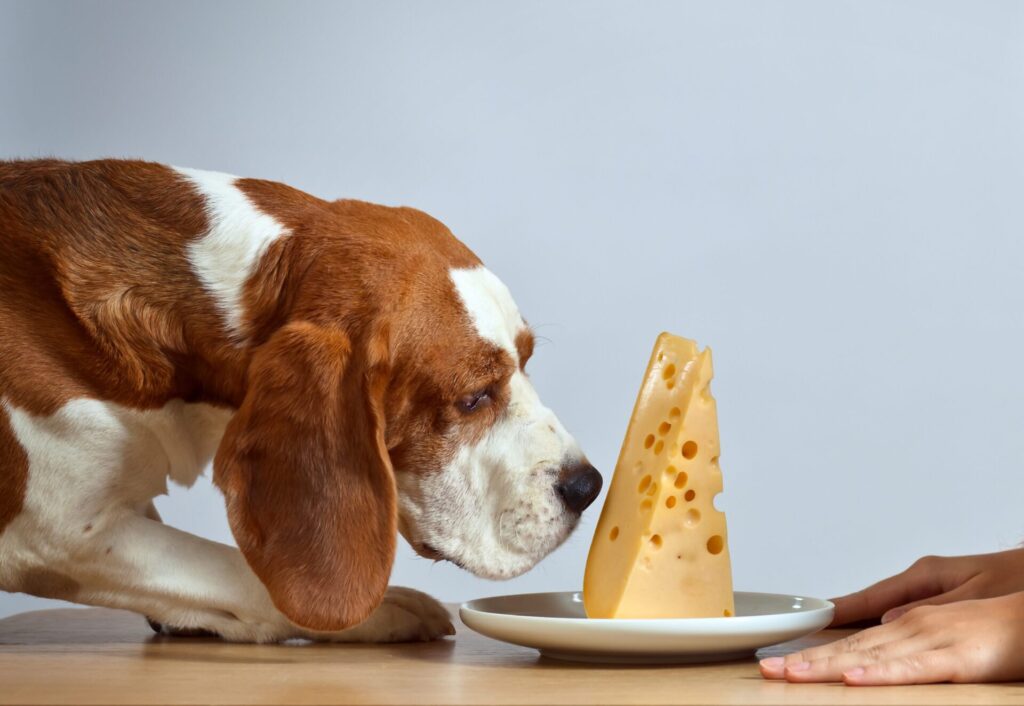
(774, 668)
(921, 668)
(960, 593)
(871, 602)
(832, 667)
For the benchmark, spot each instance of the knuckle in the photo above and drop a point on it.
(926, 563)
(911, 664)
(853, 642)
(795, 658)
(873, 653)
(827, 663)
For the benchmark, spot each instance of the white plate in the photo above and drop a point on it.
(555, 624)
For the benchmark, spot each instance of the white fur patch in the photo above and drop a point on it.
(490, 306)
(91, 454)
(228, 254)
(94, 467)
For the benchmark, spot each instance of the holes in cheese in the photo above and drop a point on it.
(662, 561)
(690, 450)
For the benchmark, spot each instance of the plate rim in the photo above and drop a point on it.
(824, 605)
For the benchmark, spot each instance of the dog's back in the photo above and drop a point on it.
(97, 293)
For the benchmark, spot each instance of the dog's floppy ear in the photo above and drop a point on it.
(304, 470)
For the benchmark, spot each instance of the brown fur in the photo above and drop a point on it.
(356, 350)
(524, 346)
(13, 473)
(99, 300)
(311, 495)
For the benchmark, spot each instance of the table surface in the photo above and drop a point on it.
(103, 656)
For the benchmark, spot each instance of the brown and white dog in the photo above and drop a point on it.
(352, 369)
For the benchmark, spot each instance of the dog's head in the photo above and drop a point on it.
(396, 399)
(488, 477)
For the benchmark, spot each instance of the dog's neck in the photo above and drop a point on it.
(250, 261)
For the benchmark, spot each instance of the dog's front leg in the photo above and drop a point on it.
(188, 583)
(182, 581)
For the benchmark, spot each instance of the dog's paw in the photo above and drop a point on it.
(405, 615)
(168, 631)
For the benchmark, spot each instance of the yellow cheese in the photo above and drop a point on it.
(660, 549)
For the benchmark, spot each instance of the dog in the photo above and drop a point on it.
(352, 370)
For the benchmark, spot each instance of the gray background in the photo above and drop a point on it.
(831, 195)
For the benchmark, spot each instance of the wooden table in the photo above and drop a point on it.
(96, 656)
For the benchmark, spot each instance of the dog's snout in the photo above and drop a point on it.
(579, 485)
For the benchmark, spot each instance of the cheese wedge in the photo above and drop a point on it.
(661, 549)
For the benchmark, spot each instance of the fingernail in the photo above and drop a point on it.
(773, 662)
(799, 667)
(853, 673)
(890, 616)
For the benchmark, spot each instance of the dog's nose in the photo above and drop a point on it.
(579, 485)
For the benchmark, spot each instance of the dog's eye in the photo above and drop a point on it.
(473, 402)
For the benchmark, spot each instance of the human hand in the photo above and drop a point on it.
(968, 641)
(934, 580)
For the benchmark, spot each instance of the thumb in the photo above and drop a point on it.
(960, 593)
(895, 591)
